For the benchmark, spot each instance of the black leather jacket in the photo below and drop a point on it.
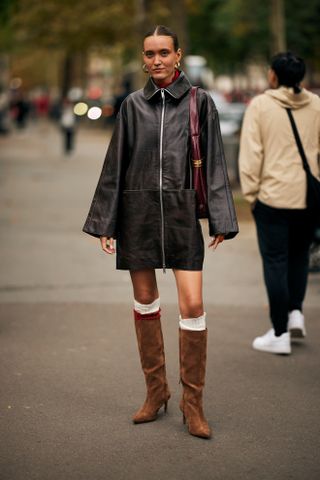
(144, 196)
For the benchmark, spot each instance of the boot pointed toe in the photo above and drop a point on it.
(203, 432)
(144, 417)
(149, 411)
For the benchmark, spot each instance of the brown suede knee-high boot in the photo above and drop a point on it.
(193, 354)
(151, 349)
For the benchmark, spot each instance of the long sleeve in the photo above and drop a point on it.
(103, 213)
(221, 211)
(251, 153)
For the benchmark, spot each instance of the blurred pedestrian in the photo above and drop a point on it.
(314, 262)
(145, 200)
(68, 125)
(122, 93)
(274, 182)
(20, 108)
(4, 111)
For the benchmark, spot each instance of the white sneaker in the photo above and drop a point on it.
(270, 343)
(296, 325)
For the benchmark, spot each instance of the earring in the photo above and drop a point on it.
(177, 65)
(144, 68)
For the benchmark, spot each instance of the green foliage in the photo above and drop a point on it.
(71, 24)
(230, 32)
(303, 29)
(6, 34)
(226, 32)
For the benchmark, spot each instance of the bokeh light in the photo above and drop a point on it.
(94, 113)
(80, 108)
(75, 93)
(94, 93)
(16, 83)
(107, 110)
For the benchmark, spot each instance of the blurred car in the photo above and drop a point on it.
(230, 114)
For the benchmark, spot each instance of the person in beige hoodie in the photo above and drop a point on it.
(274, 182)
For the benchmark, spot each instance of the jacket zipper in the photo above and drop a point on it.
(161, 196)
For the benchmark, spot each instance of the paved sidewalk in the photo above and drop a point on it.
(70, 374)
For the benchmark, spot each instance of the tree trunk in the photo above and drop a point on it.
(179, 23)
(67, 74)
(277, 26)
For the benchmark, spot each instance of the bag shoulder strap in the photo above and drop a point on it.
(298, 141)
(194, 126)
(194, 116)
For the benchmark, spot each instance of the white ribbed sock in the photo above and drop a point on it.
(147, 308)
(195, 324)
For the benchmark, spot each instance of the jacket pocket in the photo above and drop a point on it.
(183, 235)
(139, 225)
(180, 208)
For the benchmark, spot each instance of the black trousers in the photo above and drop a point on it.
(68, 139)
(284, 237)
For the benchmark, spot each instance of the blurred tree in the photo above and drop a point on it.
(72, 24)
(230, 32)
(227, 32)
(6, 9)
(71, 27)
(303, 31)
(75, 26)
(277, 26)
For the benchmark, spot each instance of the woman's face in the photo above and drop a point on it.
(160, 57)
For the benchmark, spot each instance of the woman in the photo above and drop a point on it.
(274, 182)
(145, 200)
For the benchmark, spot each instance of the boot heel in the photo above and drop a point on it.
(165, 406)
(183, 419)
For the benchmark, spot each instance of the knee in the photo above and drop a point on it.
(191, 308)
(146, 296)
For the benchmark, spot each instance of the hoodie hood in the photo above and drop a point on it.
(286, 97)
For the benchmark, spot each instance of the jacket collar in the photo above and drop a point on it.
(176, 89)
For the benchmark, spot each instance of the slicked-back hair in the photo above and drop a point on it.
(163, 30)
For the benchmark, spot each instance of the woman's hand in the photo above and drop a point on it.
(216, 240)
(107, 245)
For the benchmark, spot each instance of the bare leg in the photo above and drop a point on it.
(144, 283)
(189, 286)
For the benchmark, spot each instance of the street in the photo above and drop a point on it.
(70, 371)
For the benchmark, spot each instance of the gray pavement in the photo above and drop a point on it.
(70, 374)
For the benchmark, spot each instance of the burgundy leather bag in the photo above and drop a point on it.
(198, 175)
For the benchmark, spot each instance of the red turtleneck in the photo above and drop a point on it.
(165, 84)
